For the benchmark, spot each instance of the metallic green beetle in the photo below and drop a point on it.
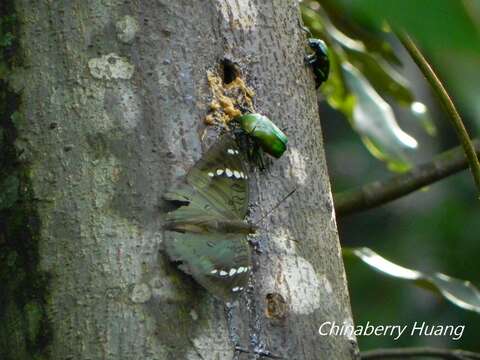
(264, 132)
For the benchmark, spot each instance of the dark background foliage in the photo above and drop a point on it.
(433, 230)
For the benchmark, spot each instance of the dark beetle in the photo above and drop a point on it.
(318, 60)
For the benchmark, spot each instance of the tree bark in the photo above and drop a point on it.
(103, 112)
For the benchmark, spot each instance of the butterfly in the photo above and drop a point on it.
(208, 232)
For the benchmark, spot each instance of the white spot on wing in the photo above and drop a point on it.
(223, 273)
(214, 271)
(235, 289)
(228, 172)
(231, 151)
(237, 174)
(211, 174)
(232, 272)
(219, 172)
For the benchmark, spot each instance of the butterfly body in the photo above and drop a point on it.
(238, 227)
(208, 234)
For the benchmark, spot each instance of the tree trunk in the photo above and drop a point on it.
(102, 113)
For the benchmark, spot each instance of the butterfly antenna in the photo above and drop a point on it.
(276, 206)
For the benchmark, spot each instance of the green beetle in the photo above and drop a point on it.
(264, 132)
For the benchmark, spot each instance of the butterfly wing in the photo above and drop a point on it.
(226, 185)
(217, 261)
(215, 192)
(216, 186)
(195, 208)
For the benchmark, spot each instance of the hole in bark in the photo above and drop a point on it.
(230, 71)
(276, 306)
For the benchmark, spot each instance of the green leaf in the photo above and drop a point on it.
(343, 30)
(459, 292)
(374, 120)
(334, 90)
(379, 72)
(462, 77)
(384, 78)
(420, 111)
(355, 91)
(427, 23)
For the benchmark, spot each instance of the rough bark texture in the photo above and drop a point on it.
(111, 96)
